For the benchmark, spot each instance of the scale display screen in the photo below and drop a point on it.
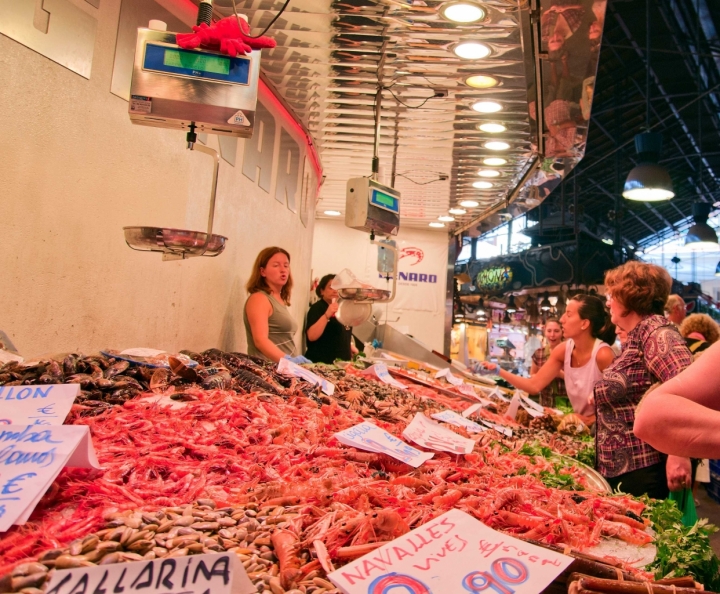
(196, 64)
(384, 200)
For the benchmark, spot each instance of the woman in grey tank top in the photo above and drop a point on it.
(269, 326)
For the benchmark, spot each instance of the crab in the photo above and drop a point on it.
(230, 35)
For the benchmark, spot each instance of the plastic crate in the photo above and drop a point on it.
(715, 466)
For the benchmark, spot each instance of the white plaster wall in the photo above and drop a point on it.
(74, 172)
(336, 247)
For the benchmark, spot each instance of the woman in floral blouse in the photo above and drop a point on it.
(654, 351)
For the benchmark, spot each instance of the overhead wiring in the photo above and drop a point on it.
(277, 16)
(401, 102)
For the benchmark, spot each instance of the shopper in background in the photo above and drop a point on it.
(654, 351)
(553, 337)
(269, 326)
(699, 331)
(327, 338)
(675, 309)
(682, 416)
(582, 357)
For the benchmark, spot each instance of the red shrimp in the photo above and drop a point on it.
(626, 533)
(625, 520)
(448, 499)
(285, 544)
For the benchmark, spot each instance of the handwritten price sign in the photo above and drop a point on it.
(31, 456)
(220, 573)
(433, 436)
(36, 405)
(367, 436)
(453, 553)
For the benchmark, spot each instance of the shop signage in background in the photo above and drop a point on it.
(220, 573)
(371, 438)
(453, 553)
(36, 405)
(450, 416)
(431, 435)
(494, 279)
(290, 369)
(31, 456)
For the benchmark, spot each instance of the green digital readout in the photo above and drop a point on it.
(196, 61)
(384, 199)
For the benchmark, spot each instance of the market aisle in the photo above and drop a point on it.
(710, 509)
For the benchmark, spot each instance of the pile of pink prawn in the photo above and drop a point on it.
(264, 449)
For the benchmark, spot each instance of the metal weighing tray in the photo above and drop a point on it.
(174, 243)
(360, 294)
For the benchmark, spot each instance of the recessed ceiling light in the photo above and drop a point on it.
(463, 12)
(471, 50)
(437, 225)
(332, 213)
(482, 185)
(446, 218)
(487, 106)
(457, 211)
(494, 161)
(497, 145)
(488, 173)
(480, 81)
(492, 127)
(471, 203)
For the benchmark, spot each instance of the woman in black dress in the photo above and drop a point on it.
(327, 339)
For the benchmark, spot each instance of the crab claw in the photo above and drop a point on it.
(188, 40)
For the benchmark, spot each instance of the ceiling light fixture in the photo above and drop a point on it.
(482, 185)
(496, 145)
(472, 50)
(492, 127)
(332, 213)
(487, 106)
(480, 81)
(457, 211)
(471, 203)
(701, 237)
(648, 181)
(446, 218)
(463, 12)
(488, 173)
(545, 304)
(437, 225)
(494, 161)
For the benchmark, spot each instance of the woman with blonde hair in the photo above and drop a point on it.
(269, 326)
(654, 351)
(699, 332)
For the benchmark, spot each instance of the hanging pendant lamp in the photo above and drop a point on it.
(648, 181)
(701, 237)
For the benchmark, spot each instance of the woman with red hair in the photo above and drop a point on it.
(654, 352)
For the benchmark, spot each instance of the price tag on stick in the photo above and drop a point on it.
(452, 553)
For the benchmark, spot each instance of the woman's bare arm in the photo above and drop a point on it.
(259, 310)
(682, 416)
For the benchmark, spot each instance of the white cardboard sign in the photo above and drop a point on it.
(367, 436)
(533, 408)
(453, 553)
(380, 371)
(450, 416)
(36, 405)
(31, 458)
(500, 395)
(433, 436)
(451, 379)
(287, 367)
(220, 573)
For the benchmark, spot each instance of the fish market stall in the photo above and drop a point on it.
(230, 455)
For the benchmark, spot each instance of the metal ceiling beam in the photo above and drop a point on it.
(607, 193)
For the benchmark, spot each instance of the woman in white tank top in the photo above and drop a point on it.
(582, 357)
